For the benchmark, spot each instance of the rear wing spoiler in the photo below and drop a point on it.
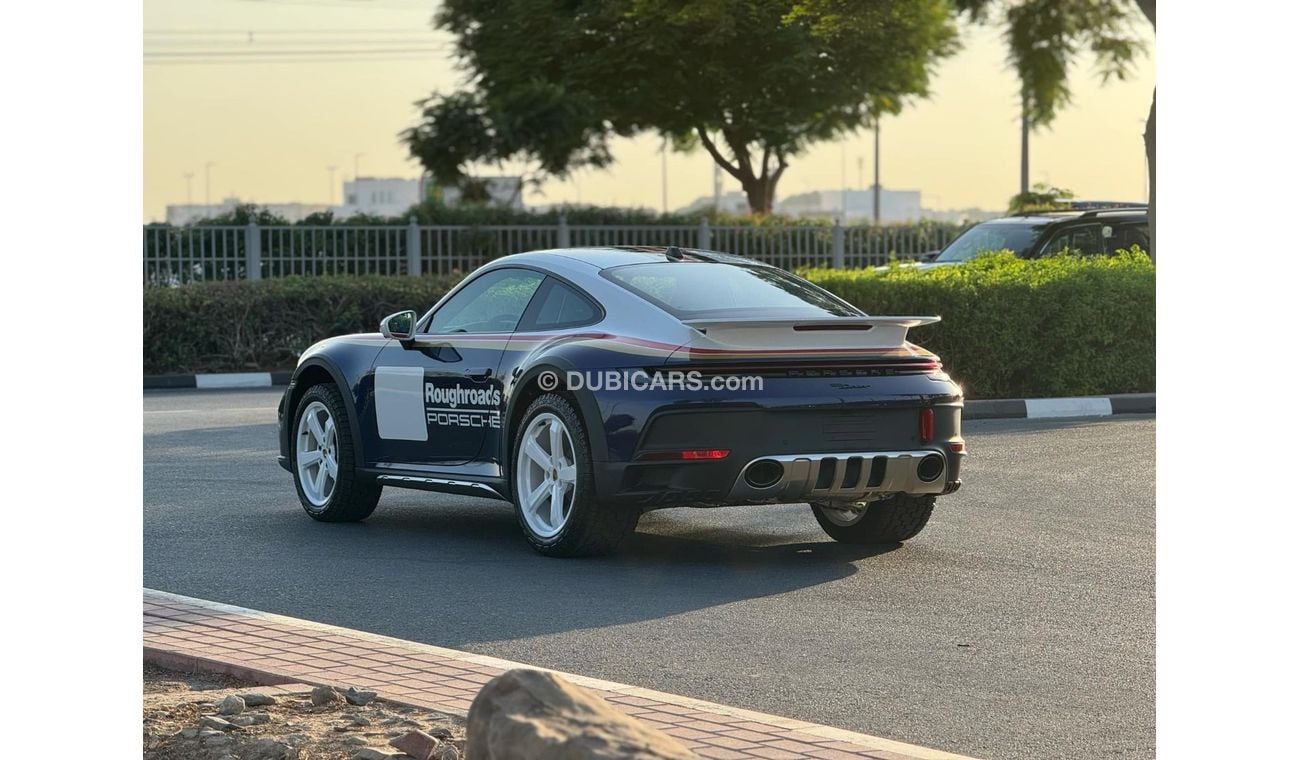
(825, 333)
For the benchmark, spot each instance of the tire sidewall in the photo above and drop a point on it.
(584, 487)
(323, 394)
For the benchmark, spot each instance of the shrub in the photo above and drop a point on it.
(1057, 326)
(240, 326)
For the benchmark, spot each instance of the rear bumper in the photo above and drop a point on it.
(843, 476)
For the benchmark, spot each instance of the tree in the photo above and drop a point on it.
(1040, 198)
(1045, 37)
(754, 82)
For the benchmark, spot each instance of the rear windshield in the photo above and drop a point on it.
(697, 290)
(993, 236)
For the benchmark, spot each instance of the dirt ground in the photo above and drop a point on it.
(176, 704)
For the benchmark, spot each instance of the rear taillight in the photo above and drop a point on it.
(927, 425)
(688, 454)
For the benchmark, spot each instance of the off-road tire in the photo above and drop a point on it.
(592, 528)
(886, 521)
(354, 497)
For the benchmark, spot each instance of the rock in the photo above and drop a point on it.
(269, 749)
(220, 724)
(258, 717)
(417, 744)
(537, 715)
(440, 733)
(377, 753)
(243, 721)
(356, 697)
(257, 699)
(391, 721)
(324, 695)
(217, 740)
(188, 733)
(449, 753)
(231, 705)
(206, 732)
(356, 741)
(359, 720)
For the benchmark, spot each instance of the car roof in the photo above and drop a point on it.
(605, 257)
(1072, 215)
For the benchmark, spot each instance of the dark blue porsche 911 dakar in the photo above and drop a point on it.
(587, 386)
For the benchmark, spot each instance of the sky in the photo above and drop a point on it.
(267, 130)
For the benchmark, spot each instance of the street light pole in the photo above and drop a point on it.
(1024, 143)
(663, 175)
(875, 182)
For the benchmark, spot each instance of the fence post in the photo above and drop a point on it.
(705, 241)
(562, 233)
(252, 252)
(837, 245)
(413, 249)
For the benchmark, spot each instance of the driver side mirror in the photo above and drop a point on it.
(399, 326)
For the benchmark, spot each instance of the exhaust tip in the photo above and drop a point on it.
(764, 473)
(929, 468)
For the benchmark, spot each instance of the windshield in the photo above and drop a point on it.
(696, 290)
(993, 236)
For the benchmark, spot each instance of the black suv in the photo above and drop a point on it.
(1040, 233)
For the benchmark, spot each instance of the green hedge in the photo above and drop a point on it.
(241, 326)
(1060, 326)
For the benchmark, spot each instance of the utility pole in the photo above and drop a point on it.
(331, 169)
(207, 183)
(861, 161)
(189, 188)
(875, 182)
(663, 174)
(717, 187)
(1024, 143)
(844, 182)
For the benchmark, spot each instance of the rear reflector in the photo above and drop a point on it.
(927, 425)
(660, 456)
(957, 446)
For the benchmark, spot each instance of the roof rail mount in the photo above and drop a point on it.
(674, 253)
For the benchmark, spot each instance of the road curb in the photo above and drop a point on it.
(979, 409)
(181, 631)
(1054, 408)
(217, 381)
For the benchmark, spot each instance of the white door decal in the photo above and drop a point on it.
(399, 403)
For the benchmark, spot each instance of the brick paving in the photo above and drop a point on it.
(272, 649)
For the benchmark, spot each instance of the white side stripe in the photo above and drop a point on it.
(1067, 407)
(234, 380)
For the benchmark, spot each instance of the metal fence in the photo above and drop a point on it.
(174, 255)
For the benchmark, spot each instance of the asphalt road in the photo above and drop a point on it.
(1020, 624)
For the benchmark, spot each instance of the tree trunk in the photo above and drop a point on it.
(760, 191)
(1148, 8)
(1149, 137)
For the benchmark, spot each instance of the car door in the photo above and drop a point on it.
(438, 395)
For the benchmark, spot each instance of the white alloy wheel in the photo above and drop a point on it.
(546, 475)
(316, 454)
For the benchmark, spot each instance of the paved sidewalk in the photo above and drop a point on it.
(183, 632)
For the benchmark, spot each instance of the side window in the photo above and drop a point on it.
(1128, 236)
(1084, 240)
(493, 302)
(560, 306)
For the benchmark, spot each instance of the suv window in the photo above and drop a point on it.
(492, 302)
(1017, 237)
(1085, 240)
(559, 306)
(1128, 236)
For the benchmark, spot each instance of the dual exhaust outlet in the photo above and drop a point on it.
(765, 473)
